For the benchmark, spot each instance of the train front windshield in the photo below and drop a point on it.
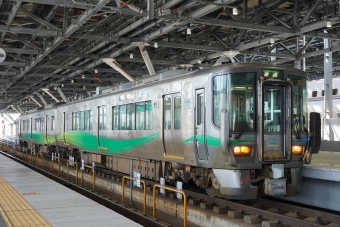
(236, 93)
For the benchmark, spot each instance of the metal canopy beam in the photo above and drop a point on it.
(32, 31)
(35, 17)
(10, 19)
(69, 31)
(19, 51)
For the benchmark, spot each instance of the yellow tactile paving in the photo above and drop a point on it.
(17, 210)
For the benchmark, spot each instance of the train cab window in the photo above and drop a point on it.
(115, 118)
(148, 115)
(52, 123)
(335, 91)
(177, 112)
(167, 113)
(236, 93)
(130, 116)
(314, 93)
(323, 93)
(122, 117)
(140, 116)
(88, 119)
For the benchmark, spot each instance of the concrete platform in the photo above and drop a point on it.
(56, 203)
(320, 182)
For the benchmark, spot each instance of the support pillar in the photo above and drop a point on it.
(328, 114)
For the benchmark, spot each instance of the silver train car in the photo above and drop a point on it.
(238, 130)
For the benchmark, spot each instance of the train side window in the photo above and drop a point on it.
(148, 115)
(23, 125)
(122, 117)
(335, 91)
(140, 115)
(177, 112)
(28, 124)
(314, 93)
(52, 123)
(115, 118)
(323, 93)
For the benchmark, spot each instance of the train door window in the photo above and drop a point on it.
(167, 113)
(115, 118)
(148, 115)
(23, 125)
(102, 118)
(130, 117)
(335, 91)
(314, 93)
(323, 93)
(42, 124)
(200, 109)
(88, 119)
(177, 112)
(52, 123)
(140, 116)
(122, 117)
(74, 121)
(81, 120)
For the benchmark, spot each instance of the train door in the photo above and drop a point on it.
(172, 121)
(199, 134)
(102, 134)
(276, 109)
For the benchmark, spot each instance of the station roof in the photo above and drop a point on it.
(61, 43)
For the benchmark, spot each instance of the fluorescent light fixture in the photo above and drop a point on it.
(329, 24)
(155, 45)
(62, 85)
(84, 87)
(188, 31)
(235, 11)
(199, 61)
(83, 76)
(131, 55)
(72, 81)
(272, 40)
(96, 71)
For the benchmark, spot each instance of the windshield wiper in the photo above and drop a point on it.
(295, 128)
(242, 131)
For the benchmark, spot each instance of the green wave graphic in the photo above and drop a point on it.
(214, 141)
(39, 137)
(89, 142)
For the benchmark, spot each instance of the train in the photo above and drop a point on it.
(316, 95)
(237, 131)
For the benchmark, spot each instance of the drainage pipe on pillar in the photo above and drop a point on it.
(111, 62)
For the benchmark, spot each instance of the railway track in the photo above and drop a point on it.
(263, 211)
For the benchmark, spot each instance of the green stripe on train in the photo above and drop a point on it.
(87, 141)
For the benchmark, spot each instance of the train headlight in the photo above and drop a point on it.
(242, 151)
(297, 150)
